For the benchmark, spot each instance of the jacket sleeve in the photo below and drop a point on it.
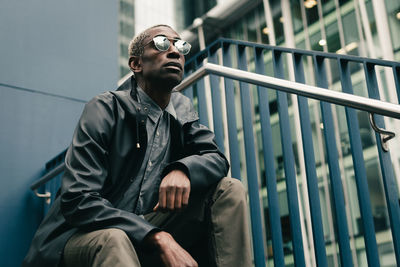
(203, 161)
(86, 172)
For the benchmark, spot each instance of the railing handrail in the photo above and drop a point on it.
(318, 93)
(48, 176)
(329, 55)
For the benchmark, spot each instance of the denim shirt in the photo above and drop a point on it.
(142, 194)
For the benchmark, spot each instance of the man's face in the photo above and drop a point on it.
(162, 67)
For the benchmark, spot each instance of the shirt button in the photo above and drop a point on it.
(157, 133)
(150, 163)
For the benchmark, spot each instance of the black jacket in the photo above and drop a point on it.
(107, 151)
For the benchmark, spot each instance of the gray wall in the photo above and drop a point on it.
(54, 56)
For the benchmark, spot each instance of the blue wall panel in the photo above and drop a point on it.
(71, 42)
(64, 48)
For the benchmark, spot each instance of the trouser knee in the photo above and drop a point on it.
(230, 237)
(230, 190)
(104, 247)
(114, 237)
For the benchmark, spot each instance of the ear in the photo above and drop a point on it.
(135, 63)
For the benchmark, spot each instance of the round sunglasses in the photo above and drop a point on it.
(162, 43)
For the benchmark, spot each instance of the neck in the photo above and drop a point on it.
(158, 93)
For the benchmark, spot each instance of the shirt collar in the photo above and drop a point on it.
(170, 109)
(151, 108)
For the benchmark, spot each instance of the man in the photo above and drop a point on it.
(143, 180)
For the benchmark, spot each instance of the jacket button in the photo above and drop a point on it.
(131, 180)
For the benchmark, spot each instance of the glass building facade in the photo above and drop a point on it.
(134, 16)
(362, 28)
(126, 30)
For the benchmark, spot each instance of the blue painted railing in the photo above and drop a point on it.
(54, 184)
(224, 52)
(259, 59)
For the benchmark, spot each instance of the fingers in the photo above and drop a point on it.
(171, 198)
(174, 192)
(162, 198)
(172, 254)
(178, 198)
(185, 197)
(171, 191)
(187, 259)
(180, 257)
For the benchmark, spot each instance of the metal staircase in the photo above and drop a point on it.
(289, 121)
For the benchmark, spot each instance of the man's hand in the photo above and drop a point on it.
(171, 253)
(174, 192)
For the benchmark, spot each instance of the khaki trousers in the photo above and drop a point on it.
(213, 229)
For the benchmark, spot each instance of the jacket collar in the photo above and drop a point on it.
(184, 111)
(129, 84)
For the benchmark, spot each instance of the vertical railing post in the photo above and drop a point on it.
(396, 74)
(273, 202)
(288, 159)
(332, 154)
(340, 217)
(309, 158)
(188, 91)
(216, 103)
(389, 182)
(201, 98)
(252, 177)
(231, 115)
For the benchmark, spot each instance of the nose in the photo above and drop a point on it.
(173, 51)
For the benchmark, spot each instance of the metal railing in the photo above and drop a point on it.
(289, 64)
(222, 52)
(318, 93)
(47, 186)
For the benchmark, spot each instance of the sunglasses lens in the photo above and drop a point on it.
(162, 43)
(183, 47)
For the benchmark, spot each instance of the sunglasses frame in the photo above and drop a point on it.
(169, 44)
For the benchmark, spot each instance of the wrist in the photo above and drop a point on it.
(156, 240)
(177, 166)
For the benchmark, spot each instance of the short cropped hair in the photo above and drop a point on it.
(136, 46)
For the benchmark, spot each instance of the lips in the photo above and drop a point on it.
(173, 64)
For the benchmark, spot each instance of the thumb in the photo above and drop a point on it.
(156, 207)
